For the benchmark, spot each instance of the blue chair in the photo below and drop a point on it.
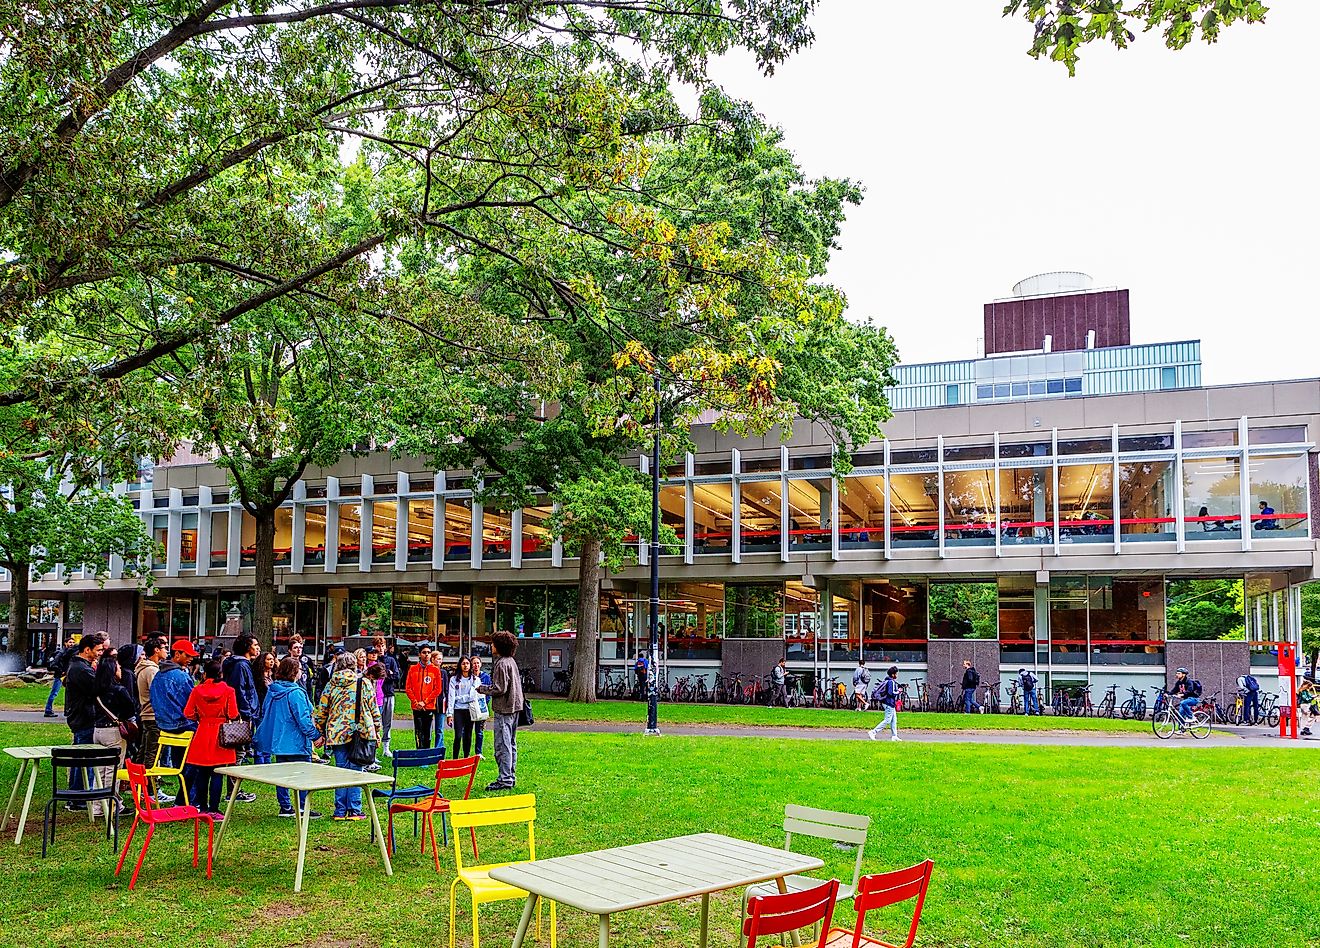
(426, 760)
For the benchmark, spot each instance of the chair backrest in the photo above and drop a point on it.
(406, 759)
(76, 758)
(137, 783)
(777, 914)
(174, 739)
(890, 888)
(494, 811)
(455, 770)
(848, 828)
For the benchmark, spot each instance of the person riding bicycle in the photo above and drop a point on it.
(861, 682)
(1188, 691)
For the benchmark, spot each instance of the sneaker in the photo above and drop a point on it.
(385, 750)
(356, 816)
(496, 785)
(49, 714)
(245, 797)
(287, 814)
(215, 815)
(164, 799)
(371, 768)
(75, 808)
(872, 735)
(896, 738)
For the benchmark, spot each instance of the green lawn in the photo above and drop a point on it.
(28, 697)
(1034, 846)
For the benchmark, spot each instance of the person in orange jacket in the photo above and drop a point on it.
(423, 688)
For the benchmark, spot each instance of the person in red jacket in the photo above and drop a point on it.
(423, 690)
(211, 704)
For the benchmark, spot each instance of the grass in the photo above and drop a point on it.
(1034, 847)
(25, 697)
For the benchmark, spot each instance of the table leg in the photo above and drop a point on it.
(783, 890)
(375, 829)
(528, 911)
(27, 802)
(705, 917)
(303, 819)
(13, 794)
(604, 931)
(229, 811)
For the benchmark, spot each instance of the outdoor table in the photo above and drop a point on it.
(29, 760)
(307, 778)
(630, 877)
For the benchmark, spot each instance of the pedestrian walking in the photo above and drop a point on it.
(58, 664)
(970, 680)
(889, 694)
(506, 694)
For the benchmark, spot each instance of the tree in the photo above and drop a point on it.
(1063, 27)
(1205, 609)
(1311, 623)
(964, 610)
(698, 268)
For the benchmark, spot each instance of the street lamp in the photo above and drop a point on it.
(653, 669)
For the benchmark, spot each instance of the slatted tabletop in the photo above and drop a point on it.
(304, 776)
(630, 877)
(42, 751)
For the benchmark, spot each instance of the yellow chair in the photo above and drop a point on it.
(497, 811)
(183, 740)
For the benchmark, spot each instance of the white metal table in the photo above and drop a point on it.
(307, 778)
(29, 761)
(630, 877)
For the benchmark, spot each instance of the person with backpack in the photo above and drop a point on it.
(1187, 691)
(640, 668)
(970, 680)
(889, 695)
(861, 682)
(1250, 698)
(58, 664)
(1027, 682)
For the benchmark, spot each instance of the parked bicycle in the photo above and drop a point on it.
(1014, 698)
(991, 699)
(1134, 708)
(1107, 703)
(946, 702)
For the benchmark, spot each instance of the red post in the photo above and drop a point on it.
(1288, 669)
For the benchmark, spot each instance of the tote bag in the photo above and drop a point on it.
(361, 750)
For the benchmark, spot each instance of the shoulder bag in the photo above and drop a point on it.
(525, 716)
(235, 734)
(361, 750)
(128, 730)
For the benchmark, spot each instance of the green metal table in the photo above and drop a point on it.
(630, 877)
(29, 761)
(307, 778)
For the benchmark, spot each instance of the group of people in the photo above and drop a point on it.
(283, 710)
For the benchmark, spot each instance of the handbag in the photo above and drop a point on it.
(128, 730)
(525, 716)
(479, 708)
(361, 749)
(236, 733)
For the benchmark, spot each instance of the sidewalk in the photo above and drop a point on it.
(1223, 736)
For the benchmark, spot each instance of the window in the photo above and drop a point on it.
(1086, 503)
(809, 514)
(1145, 501)
(1278, 496)
(537, 540)
(984, 392)
(1287, 435)
(1126, 620)
(712, 517)
(1026, 503)
(384, 529)
(673, 497)
(350, 534)
(188, 541)
(314, 536)
(914, 512)
(1019, 389)
(1017, 620)
(421, 530)
(969, 507)
(1054, 386)
(160, 532)
(283, 535)
(1210, 439)
(1168, 377)
(964, 610)
(219, 538)
(951, 394)
(496, 534)
(894, 620)
(1072, 386)
(1211, 499)
(458, 529)
(759, 517)
(1068, 641)
(1036, 388)
(694, 619)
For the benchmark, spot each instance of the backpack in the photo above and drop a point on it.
(1193, 688)
(1251, 683)
(1029, 681)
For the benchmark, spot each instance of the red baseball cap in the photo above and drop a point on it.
(184, 646)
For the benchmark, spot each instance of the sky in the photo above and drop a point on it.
(1190, 178)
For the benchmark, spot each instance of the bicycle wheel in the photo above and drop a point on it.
(1273, 719)
(1129, 706)
(1164, 725)
(1201, 725)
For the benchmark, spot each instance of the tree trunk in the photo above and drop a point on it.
(18, 612)
(1315, 654)
(583, 685)
(263, 592)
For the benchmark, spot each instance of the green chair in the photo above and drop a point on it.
(847, 828)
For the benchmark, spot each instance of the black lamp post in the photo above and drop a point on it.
(653, 676)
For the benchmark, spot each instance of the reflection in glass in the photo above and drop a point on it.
(1145, 500)
(1126, 620)
(160, 532)
(1278, 496)
(537, 539)
(314, 536)
(458, 529)
(1211, 499)
(1068, 641)
(801, 608)
(451, 626)
(421, 530)
(496, 533)
(964, 610)
(693, 619)
(188, 541)
(616, 616)
(283, 535)
(915, 516)
(1017, 620)
(969, 508)
(1086, 503)
(350, 534)
(894, 620)
(753, 610)
(1204, 608)
(384, 527)
(672, 500)
(712, 517)
(1026, 502)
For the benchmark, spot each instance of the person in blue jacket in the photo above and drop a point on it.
(171, 687)
(286, 731)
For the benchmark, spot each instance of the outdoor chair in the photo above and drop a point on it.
(69, 759)
(437, 802)
(498, 811)
(409, 760)
(782, 914)
(877, 891)
(151, 816)
(181, 740)
(847, 828)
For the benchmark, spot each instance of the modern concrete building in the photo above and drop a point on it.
(1039, 529)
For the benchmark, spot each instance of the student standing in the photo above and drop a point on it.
(506, 694)
(347, 707)
(286, 732)
(388, 686)
(460, 697)
(889, 693)
(210, 704)
(423, 690)
(481, 678)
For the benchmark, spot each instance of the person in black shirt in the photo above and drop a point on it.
(970, 679)
(1187, 692)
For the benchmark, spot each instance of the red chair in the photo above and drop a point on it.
(437, 802)
(879, 890)
(778, 914)
(148, 813)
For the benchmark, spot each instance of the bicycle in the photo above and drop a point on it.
(699, 690)
(797, 695)
(1062, 704)
(723, 693)
(559, 683)
(528, 681)
(1014, 699)
(991, 700)
(946, 702)
(1169, 721)
(1134, 708)
(922, 701)
(1107, 703)
(1269, 711)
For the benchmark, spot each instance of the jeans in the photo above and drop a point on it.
(890, 721)
(969, 701)
(422, 727)
(1185, 707)
(462, 733)
(50, 699)
(387, 718)
(1030, 703)
(506, 749)
(206, 789)
(780, 696)
(1250, 707)
(480, 728)
(439, 727)
(77, 778)
(347, 799)
(282, 793)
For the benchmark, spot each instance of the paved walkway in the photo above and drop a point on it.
(1224, 737)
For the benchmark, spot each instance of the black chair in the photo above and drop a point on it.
(69, 759)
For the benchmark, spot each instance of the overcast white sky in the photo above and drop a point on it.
(1190, 178)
